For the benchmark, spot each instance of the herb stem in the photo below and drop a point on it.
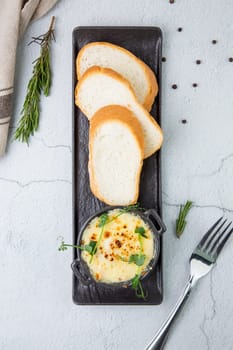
(73, 246)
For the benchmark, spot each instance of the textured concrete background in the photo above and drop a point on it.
(36, 310)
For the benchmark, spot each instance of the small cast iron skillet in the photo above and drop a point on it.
(150, 216)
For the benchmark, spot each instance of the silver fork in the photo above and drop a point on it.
(202, 261)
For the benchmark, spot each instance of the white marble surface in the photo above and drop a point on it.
(35, 187)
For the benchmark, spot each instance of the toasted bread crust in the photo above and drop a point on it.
(150, 76)
(124, 116)
(117, 76)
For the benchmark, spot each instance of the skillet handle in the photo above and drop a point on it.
(156, 220)
(79, 273)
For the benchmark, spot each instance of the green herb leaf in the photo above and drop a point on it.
(137, 259)
(137, 286)
(131, 207)
(90, 248)
(103, 219)
(181, 220)
(62, 247)
(39, 83)
(135, 281)
(141, 231)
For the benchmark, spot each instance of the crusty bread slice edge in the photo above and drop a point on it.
(151, 78)
(126, 117)
(117, 76)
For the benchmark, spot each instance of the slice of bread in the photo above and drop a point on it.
(100, 87)
(115, 155)
(106, 55)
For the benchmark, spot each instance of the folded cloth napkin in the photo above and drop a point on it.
(15, 15)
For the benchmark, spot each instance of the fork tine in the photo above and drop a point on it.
(216, 242)
(211, 240)
(208, 233)
(223, 242)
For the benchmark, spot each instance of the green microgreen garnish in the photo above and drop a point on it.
(181, 221)
(131, 207)
(90, 248)
(87, 247)
(103, 219)
(126, 210)
(137, 259)
(137, 286)
(141, 231)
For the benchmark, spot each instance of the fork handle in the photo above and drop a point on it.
(160, 338)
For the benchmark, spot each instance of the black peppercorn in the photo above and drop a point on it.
(183, 121)
(164, 59)
(230, 59)
(214, 42)
(180, 29)
(195, 85)
(198, 61)
(174, 86)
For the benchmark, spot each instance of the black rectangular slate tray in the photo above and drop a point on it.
(146, 43)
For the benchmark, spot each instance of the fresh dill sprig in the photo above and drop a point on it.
(181, 221)
(39, 84)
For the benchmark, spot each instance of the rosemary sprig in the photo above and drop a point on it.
(181, 221)
(39, 83)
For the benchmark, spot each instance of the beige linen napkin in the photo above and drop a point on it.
(15, 15)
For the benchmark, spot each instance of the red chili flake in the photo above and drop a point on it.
(107, 234)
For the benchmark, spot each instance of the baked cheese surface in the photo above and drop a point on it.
(118, 242)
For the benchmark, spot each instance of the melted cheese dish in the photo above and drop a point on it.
(110, 263)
